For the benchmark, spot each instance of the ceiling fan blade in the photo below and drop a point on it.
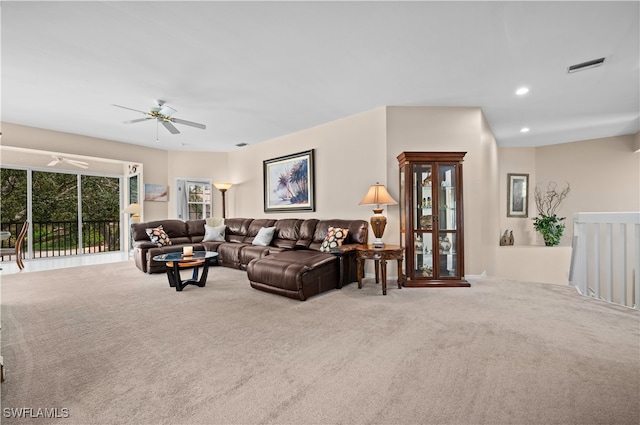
(190, 123)
(52, 163)
(172, 129)
(136, 120)
(78, 164)
(75, 162)
(131, 109)
(167, 111)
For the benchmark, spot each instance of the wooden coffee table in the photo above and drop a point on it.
(176, 261)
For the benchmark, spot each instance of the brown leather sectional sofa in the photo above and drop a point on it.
(292, 265)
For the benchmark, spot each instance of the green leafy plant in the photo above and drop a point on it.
(550, 226)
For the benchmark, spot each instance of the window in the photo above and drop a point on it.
(194, 199)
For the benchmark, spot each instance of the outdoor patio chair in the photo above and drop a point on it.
(17, 249)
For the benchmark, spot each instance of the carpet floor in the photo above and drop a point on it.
(107, 344)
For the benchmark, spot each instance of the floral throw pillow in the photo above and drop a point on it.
(335, 237)
(158, 236)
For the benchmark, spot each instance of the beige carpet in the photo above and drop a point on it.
(115, 346)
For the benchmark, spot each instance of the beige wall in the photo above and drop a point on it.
(159, 166)
(202, 165)
(349, 156)
(355, 152)
(518, 161)
(604, 175)
(452, 129)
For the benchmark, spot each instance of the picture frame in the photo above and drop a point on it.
(517, 195)
(289, 183)
(156, 192)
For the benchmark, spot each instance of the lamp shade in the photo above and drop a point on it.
(377, 195)
(223, 186)
(132, 209)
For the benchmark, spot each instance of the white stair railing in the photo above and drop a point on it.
(605, 261)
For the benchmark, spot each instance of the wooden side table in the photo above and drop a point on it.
(380, 256)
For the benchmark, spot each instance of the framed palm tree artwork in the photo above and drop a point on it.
(288, 183)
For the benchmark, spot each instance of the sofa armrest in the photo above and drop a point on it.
(144, 244)
(344, 249)
(347, 260)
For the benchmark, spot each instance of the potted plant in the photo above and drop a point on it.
(550, 226)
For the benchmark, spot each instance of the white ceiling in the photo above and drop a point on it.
(252, 71)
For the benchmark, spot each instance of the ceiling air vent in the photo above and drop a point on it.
(585, 65)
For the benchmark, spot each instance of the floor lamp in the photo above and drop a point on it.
(133, 211)
(223, 187)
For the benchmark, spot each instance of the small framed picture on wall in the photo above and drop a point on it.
(517, 195)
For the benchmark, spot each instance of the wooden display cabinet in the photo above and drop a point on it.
(431, 218)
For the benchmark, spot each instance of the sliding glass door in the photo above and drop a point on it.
(70, 213)
(54, 208)
(100, 213)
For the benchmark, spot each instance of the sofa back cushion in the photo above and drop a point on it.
(307, 230)
(196, 230)
(255, 226)
(237, 229)
(287, 233)
(175, 229)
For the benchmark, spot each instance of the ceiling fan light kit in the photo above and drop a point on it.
(163, 115)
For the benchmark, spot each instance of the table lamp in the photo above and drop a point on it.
(223, 187)
(377, 195)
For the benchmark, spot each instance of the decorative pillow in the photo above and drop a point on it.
(264, 236)
(214, 234)
(158, 236)
(334, 238)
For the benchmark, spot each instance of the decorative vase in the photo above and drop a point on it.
(445, 245)
(418, 243)
(426, 222)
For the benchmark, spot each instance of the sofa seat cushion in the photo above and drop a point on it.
(229, 254)
(252, 252)
(295, 274)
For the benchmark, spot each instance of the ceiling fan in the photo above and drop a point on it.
(162, 114)
(60, 159)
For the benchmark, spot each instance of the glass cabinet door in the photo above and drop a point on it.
(423, 219)
(447, 224)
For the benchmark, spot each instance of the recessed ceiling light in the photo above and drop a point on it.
(241, 144)
(524, 130)
(522, 90)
